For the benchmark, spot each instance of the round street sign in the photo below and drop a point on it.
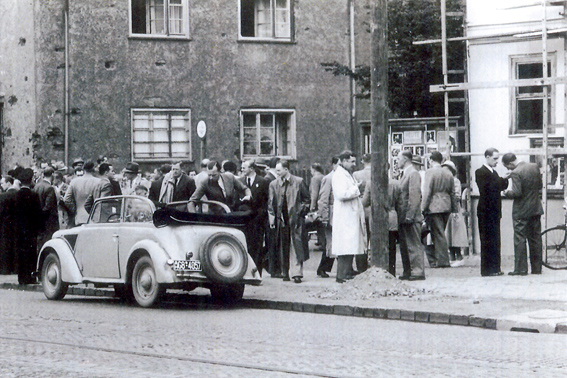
(201, 129)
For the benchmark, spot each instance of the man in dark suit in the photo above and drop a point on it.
(220, 187)
(48, 201)
(526, 213)
(287, 205)
(259, 204)
(28, 221)
(439, 201)
(157, 181)
(7, 213)
(408, 208)
(489, 212)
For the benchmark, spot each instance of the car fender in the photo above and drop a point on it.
(159, 256)
(70, 272)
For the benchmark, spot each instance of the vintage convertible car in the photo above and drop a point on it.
(141, 251)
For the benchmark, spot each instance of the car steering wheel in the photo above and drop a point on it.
(117, 215)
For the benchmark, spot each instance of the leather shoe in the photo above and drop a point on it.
(322, 274)
(518, 273)
(340, 280)
(416, 278)
(286, 278)
(276, 275)
(349, 277)
(537, 272)
(296, 279)
(403, 277)
(493, 274)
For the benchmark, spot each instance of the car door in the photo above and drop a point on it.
(98, 243)
(137, 223)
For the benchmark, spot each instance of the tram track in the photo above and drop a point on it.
(230, 364)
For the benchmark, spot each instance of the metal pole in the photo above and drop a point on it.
(444, 61)
(545, 110)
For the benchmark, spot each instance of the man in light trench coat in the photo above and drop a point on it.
(349, 227)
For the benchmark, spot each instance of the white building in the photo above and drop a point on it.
(505, 43)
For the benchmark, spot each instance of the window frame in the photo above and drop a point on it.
(186, 24)
(188, 127)
(515, 96)
(292, 155)
(273, 39)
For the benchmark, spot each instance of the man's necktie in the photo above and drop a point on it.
(249, 180)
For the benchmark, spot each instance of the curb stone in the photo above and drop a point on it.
(339, 310)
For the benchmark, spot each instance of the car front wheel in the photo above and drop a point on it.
(145, 288)
(53, 286)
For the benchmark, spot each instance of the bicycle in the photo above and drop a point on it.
(555, 253)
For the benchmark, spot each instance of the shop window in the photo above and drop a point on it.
(555, 164)
(265, 19)
(159, 18)
(267, 133)
(528, 102)
(161, 134)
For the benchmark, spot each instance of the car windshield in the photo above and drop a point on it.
(107, 211)
(137, 210)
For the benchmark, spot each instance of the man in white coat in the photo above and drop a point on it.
(349, 228)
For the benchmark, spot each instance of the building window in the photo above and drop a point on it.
(159, 18)
(161, 134)
(528, 101)
(267, 133)
(265, 19)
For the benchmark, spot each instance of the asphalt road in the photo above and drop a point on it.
(100, 337)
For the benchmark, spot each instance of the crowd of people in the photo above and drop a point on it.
(424, 210)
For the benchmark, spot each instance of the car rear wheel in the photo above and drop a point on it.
(224, 259)
(53, 286)
(227, 294)
(145, 288)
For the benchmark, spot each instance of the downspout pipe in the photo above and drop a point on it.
(352, 63)
(66, 85)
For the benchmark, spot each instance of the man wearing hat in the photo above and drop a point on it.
(77, 193)
(408, 208)
(439, 201)
(132, 179)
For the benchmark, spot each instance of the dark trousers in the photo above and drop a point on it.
(527, 229)
(254, 233)
(344, 266)
(437, 224)
(392, 240)
(326, 263)
(274, 262)
(27, 258)
(489, 231)
(362, 260)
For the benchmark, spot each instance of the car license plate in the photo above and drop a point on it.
(190, 265)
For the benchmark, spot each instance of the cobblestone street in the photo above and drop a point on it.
(96, 337)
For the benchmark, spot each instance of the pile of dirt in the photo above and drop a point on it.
(374, 283)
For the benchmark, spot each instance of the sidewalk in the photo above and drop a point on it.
(457, 296)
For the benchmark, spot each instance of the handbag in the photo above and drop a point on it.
(311, 220)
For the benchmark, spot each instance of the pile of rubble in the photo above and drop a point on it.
(373, 283)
